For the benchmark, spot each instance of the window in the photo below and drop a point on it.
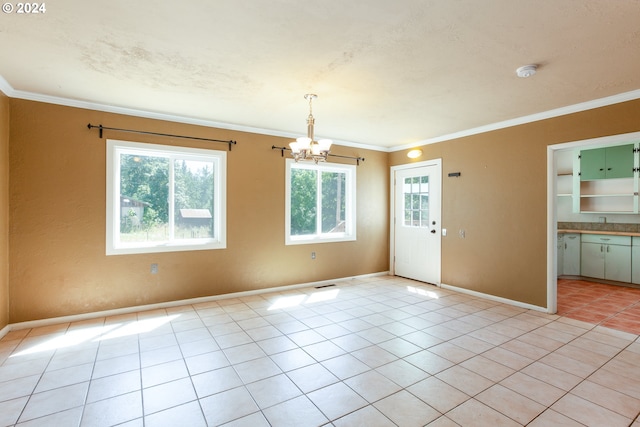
(416, 201)
(320, 203)
(164, 199)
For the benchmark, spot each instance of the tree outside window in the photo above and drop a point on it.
(166, 198)
(320, 202)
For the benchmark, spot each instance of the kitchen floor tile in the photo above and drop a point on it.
(52, 401)
(215, 381)
(188, 414)
(228, 406)
(587, 413)
(533, 388)
(113, 385)
(113, 411)
(298, 412)
(402, 373)
(167, 395)
(475, 413)
(372, 385)
(336, 400)
(405, 409)
(464, 380)
(312, 377)
(438, 394)
(510, 403)
(368, 416)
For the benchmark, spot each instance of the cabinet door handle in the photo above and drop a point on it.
(565, 246)
(601, 248)
(608, 247)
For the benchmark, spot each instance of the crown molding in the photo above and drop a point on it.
(570, 109)
(67, 102)
(562, 111)
(5, 87)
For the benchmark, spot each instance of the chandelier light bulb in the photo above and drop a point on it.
(305, 147)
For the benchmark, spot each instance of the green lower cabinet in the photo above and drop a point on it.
(592, 260)
(571, 256)
(635, 261)
(606, 257)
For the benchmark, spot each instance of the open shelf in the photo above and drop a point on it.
(610, 203)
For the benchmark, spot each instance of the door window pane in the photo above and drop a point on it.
(416, 201)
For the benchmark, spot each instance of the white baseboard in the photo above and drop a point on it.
(4, 331)
(495, 298)
(127, 310)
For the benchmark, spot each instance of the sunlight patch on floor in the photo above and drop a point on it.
(422, 292)
(98, 333)
(296, 300)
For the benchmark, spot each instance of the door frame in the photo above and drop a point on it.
(392, 206)
(552, 208)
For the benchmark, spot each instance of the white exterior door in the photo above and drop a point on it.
(416, 227)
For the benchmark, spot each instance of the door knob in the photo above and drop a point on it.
(433, 231)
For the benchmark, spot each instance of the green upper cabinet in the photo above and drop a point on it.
(592, 164)
(619, 161)
(606, 163)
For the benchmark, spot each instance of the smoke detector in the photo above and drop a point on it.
(526, 71)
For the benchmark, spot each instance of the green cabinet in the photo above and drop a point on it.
(607, 163)
(604, 180)
(606, 257)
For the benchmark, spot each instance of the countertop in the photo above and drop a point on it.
(612, 233)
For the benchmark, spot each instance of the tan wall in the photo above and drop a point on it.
(500, 200)
(4, 210)
(57, 236)
(57, 207)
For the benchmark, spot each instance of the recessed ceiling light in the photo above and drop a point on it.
(526, 70)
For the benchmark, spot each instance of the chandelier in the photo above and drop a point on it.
(305, 147)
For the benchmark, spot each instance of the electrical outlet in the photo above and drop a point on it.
(154, 268)
(444, 232)
(313, 255)
(462, 233)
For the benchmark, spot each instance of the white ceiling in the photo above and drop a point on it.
(387, 73)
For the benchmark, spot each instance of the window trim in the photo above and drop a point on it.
(350, 203)
(114, 247)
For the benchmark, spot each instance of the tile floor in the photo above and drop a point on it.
(612, 306)
(380, 351)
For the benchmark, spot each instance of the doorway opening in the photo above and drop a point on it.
(561, 209)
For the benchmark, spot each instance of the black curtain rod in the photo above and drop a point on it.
(103, 128)
(357, 159)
